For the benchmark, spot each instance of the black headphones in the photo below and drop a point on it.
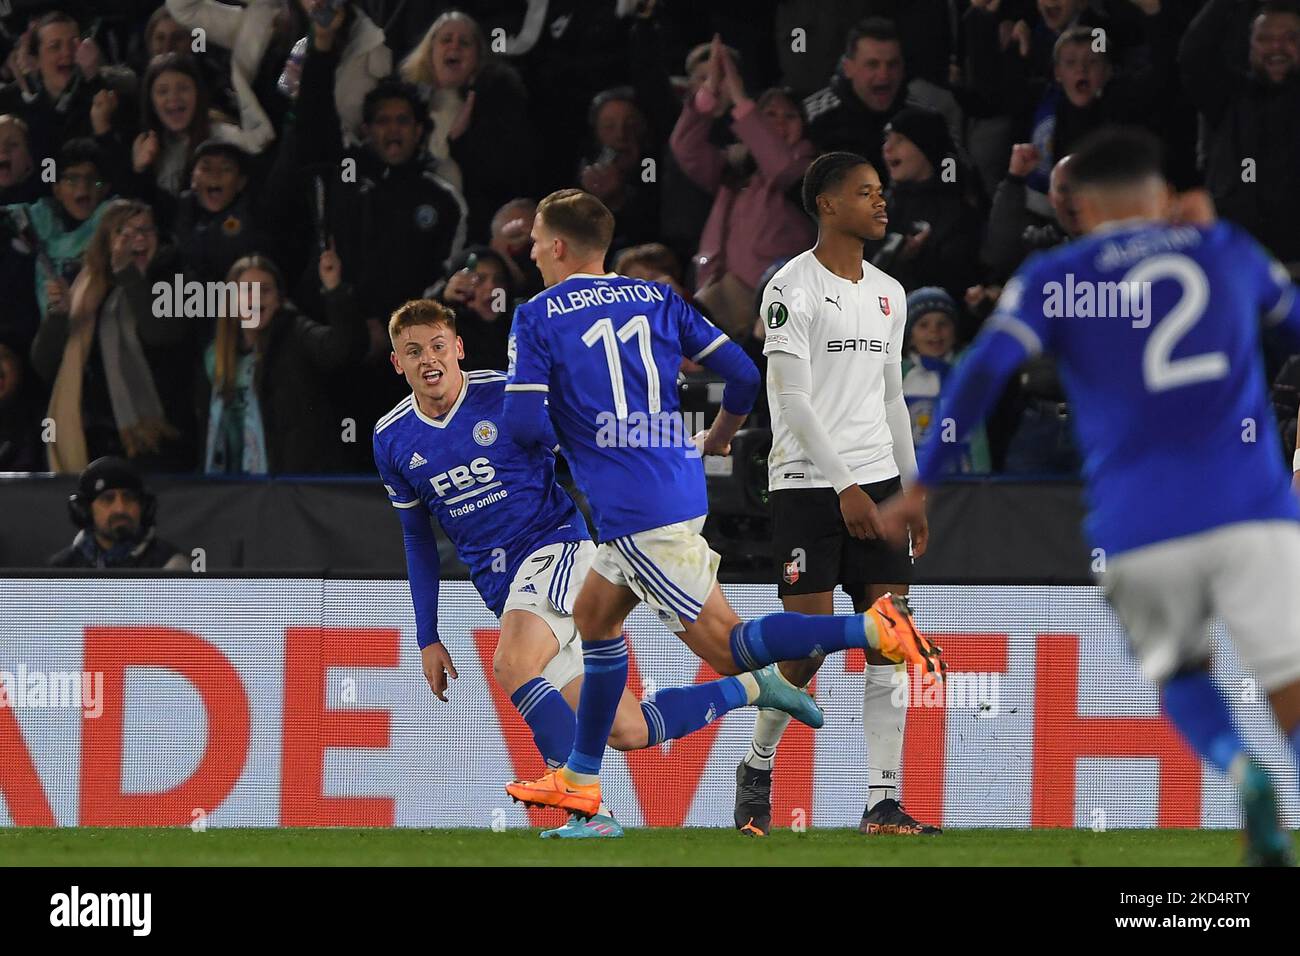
(79, 510)
(105, 474)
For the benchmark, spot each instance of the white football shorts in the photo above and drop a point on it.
(546, 584)
(1247, 574)
(672, 569)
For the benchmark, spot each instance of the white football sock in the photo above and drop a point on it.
(883, 722)
(768, 729)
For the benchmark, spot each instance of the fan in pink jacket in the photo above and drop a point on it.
(756, 218)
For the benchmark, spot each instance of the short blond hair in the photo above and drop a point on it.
(420, 312)
(579, 218)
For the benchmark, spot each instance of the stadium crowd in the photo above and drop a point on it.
(340, 157)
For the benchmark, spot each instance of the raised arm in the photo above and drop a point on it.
(332, 343)
(781, 163)
(700, 159)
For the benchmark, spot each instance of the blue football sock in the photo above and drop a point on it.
(1195, 706)
(604, 677)
(550, 718)
(786, 636)
(679, 711)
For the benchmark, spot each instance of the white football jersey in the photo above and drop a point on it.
(848, 331)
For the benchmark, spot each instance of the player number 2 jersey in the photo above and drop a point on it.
(1156, 330)
(848, 332)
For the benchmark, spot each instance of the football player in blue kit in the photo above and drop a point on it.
(440, 452)
(1155, 317)
(595, 357)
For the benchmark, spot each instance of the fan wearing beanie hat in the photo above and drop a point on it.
(114, 514)
(929, 354)
(935, 206)
(925, 130)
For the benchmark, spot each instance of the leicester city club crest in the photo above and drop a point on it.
(485, 433)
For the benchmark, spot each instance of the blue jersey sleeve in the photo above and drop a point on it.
(524, 416)
(423, 570)
(1020, 312)
(530, 357)
(743, 380)
(1279, 299)
(400, 492)
(419, 542)
(698, 336)
(703, 342)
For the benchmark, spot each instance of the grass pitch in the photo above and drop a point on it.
(644, 847)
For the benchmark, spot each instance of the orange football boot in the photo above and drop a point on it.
(557, 790)
(899, 640)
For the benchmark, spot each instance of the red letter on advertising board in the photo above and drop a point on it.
(111, 650)
(926, 741)
(20, 784)
(310, 727)
(1061, 737)
(666, 782)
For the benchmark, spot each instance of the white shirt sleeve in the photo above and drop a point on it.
(792, 381)
(787, 319)
(896, 332)
(900, 424)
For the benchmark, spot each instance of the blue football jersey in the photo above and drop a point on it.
(607, 351)
(1157, 331)
(495, 501)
